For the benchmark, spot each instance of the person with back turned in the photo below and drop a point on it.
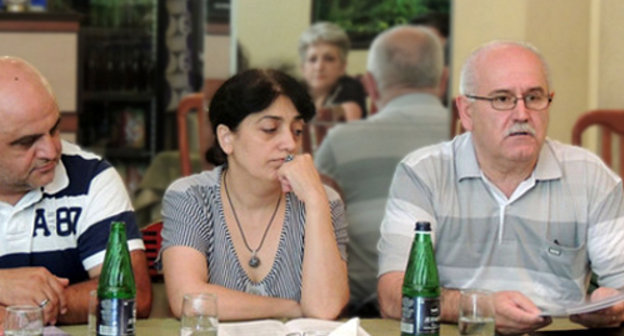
(405, 72)
(56, 206)
(511, 210)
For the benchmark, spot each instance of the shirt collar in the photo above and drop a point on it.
(397, 105)
(467, 166)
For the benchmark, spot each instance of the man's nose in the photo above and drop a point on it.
(520, 111)
(48, 146)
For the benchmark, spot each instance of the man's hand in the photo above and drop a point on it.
(516, 314)
(608, 317)
(34, 286)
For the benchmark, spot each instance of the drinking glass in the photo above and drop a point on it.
(92, 319)
(199, 315)
(23, 321)
(476, 313)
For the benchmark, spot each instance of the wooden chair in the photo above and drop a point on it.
(152, 241)
(193, 102)
(610, 122)
(196, 103)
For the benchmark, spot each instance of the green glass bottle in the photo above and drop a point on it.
(116, 314)
(420, 303)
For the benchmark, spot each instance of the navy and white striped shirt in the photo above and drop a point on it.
(64, 225)
(193, 216)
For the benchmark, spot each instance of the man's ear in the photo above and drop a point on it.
(465, 111)
(224, 135)
(443, 83)
(370, 86)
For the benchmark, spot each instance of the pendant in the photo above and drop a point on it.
(254, 261)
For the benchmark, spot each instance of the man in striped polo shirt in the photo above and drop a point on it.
(56, 206)
(511, 210)
(405, 66)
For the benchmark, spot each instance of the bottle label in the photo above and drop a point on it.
(420, 315)
(116, 317)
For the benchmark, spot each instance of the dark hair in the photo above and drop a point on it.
(248, 92)
(436, 20)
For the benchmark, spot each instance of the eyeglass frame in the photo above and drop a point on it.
(515, 101)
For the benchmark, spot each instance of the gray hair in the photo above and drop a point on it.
(406, 56)
(468, 77)
(324, 32)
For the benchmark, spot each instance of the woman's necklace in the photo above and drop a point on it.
(254, 261)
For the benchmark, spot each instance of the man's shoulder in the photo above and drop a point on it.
(566, 153)
(80, 163)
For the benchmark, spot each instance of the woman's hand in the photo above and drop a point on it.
(301, 177)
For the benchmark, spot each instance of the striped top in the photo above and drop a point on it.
(193, 216)
(361, 157)
(565, 220)
(64, 225)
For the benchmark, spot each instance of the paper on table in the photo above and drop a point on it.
(585, 307)
(53, 331)
(596, 305)
(349, 328)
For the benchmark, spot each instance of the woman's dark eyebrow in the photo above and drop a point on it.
(277, 118)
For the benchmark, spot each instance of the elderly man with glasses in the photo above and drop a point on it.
(511, 210)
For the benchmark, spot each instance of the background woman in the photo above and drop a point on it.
(323, 50)
(260, 230)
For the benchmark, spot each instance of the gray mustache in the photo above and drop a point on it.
(520, 128)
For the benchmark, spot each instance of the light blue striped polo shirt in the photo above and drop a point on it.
(564, 221)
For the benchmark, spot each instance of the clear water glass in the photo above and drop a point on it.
(23, 321)
(476, 313)
(92, 318)
(199, 315)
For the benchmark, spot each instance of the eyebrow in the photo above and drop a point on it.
(36, 136)
(276, 118)
(505, 91)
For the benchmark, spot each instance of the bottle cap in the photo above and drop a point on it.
(423, 226)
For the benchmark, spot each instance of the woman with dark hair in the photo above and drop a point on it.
(260, 230)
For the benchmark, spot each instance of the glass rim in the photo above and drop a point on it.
(475, 291)
(26, 308)
(200, 295)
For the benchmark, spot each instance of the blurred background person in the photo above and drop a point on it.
(404, 72)
(323, 50)
(440, 25)
(260, 230)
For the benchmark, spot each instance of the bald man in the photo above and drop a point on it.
(56, 206)
(511, 211)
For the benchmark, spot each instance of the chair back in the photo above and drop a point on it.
(152, 241)
(610, 122)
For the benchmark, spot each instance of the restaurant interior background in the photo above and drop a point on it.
(583, 41)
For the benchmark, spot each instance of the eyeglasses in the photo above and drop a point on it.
(505, 102)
